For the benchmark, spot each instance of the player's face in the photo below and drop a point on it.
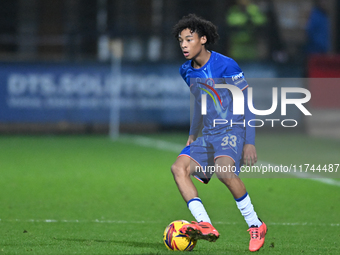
(191, 44)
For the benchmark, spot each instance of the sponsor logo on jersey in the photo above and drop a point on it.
(238, 76)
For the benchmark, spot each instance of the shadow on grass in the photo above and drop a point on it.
(123, 243)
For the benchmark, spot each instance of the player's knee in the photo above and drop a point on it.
(226, 177)
(179, 170)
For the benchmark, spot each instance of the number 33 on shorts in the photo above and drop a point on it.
(229, 139)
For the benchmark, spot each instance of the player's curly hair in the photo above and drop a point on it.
(199, 25)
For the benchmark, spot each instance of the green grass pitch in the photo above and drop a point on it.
(89, 195)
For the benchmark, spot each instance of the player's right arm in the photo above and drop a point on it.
(197, 117)
(191, 139)
(195, 124)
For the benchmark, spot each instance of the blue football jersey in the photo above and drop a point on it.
(218, 70)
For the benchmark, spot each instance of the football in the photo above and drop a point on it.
(175, 240)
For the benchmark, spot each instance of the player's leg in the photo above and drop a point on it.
(227, 175)
(181, 172)
(182, 169)
(237, 188)
(225, 168)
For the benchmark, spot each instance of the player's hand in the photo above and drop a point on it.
(191, 139)
(249, 154)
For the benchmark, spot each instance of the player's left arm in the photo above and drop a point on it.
(249, 150)
(234, 75)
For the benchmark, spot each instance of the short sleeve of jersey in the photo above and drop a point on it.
(234, 75)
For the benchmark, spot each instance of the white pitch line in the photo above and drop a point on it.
(175, 147)
(78, 221)
(154, 143)
(158, 222)
(313, 177)
(288, 224)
